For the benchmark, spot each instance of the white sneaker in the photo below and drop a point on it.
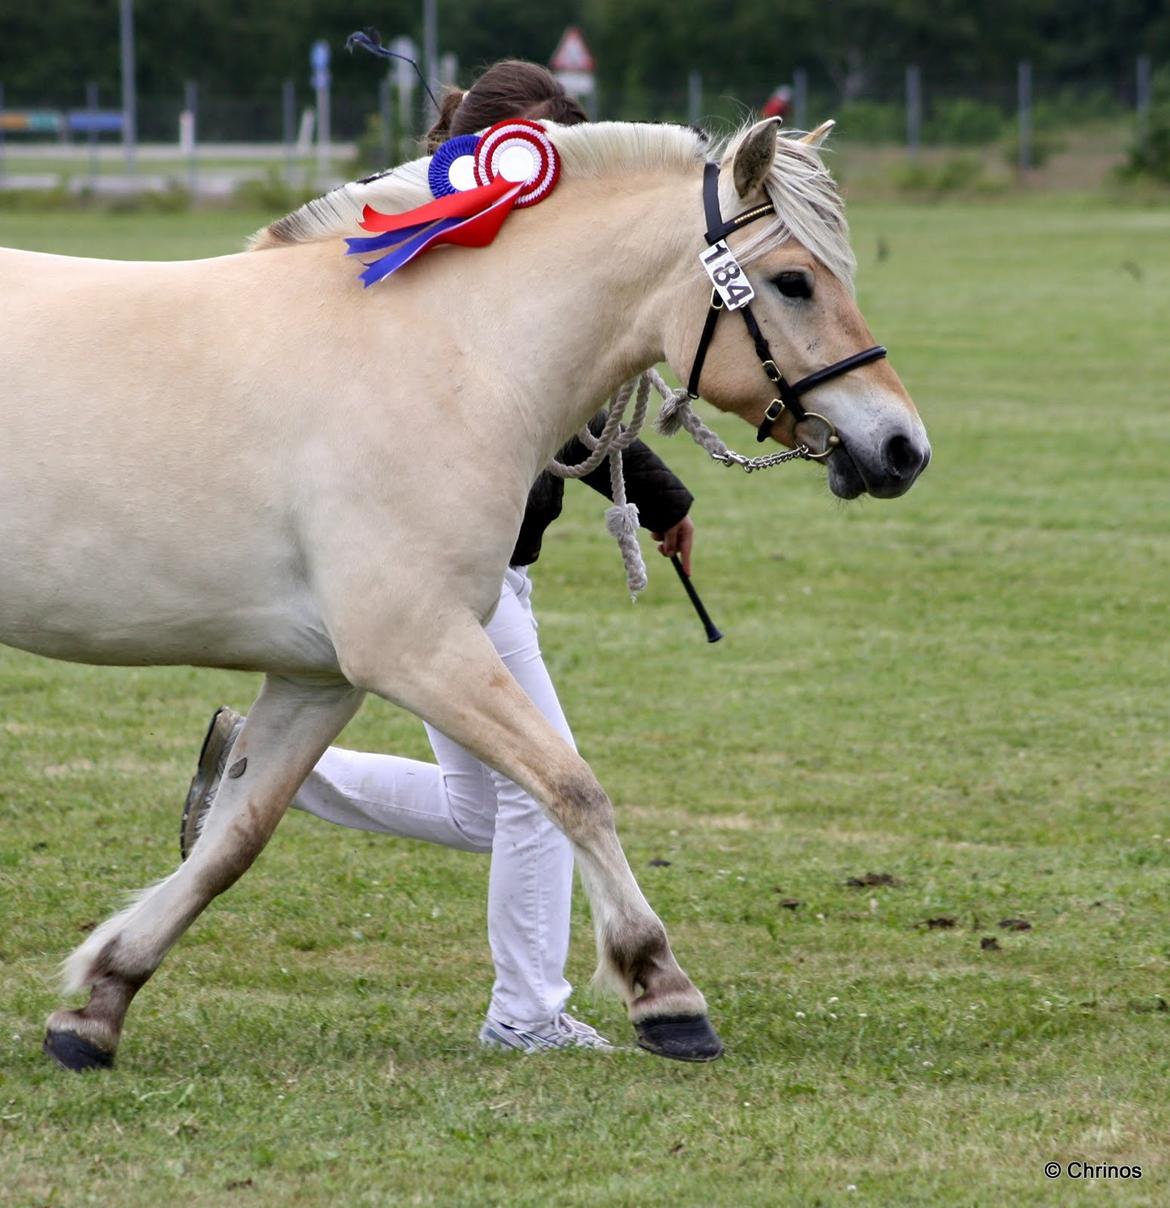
(563, 1032)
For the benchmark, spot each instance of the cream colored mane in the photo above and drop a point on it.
(808, 206)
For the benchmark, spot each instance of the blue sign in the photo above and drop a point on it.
(95, 121)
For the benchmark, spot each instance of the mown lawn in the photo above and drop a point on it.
(964, 691)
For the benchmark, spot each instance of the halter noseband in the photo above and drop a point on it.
(790, 392)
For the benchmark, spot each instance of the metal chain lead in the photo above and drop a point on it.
(731, 458)
(676, 413)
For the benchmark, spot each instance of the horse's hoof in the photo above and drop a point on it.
(680, 1037)
(73, 1052)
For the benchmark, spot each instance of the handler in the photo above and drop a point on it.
(460, 802)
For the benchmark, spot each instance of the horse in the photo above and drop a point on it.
(249, 462)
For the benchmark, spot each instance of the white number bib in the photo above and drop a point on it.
(727, 276)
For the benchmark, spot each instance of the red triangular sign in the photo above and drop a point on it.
(572, 52)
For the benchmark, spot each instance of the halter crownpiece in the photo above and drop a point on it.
(733, 292)
(476, 183)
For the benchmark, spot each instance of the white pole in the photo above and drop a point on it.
(129, 97)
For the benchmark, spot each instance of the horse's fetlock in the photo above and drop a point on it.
(638, 949)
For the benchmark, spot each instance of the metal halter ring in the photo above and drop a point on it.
(832, 440)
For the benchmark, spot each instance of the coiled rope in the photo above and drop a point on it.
(676, 412)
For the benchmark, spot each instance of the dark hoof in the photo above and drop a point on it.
(72, 1052)
(680, 1037)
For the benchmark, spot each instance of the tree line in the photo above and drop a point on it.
(644, 48)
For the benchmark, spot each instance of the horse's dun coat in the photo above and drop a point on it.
(251, 462)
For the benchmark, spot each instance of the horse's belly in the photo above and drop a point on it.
(149, 631)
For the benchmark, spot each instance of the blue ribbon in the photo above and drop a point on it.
(405, 251)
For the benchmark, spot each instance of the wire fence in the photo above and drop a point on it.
(909, 108)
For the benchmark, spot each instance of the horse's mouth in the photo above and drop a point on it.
(901, 462)
(845, 479)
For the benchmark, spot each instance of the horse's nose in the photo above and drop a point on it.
(902, 459)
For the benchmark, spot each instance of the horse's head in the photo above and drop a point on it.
(792, 246)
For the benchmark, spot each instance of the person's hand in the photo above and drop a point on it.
(678, 540)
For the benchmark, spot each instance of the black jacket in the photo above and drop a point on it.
(661, 497)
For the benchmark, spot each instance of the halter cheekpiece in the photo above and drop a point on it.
(732, 294)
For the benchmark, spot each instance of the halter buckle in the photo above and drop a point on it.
(773, 372)
(774, 411)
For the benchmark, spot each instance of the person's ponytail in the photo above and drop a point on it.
(440, 132)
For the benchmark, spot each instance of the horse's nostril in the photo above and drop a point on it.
(901, 457)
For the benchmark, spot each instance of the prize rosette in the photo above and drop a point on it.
(452, 167)
(476, 183)
(522, 152)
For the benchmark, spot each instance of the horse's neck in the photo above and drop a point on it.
(577, 294)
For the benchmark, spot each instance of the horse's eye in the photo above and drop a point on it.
(796, 283)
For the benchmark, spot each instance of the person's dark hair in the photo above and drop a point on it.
(511, 88)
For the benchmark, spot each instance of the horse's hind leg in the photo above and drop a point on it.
(288, 729)
(464, 690)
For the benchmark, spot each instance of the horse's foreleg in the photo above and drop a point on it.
(288, 729)
(466, 691)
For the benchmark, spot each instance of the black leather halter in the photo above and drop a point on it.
(790, 392)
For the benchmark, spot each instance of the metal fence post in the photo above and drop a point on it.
(800, 98)
(91, 104)
(288, 111)
(385, 121)
(431, 45)
(129, 94)
(191, 106)
(694, 97)
(1143, 95)
(1024, 91)
(913, 110)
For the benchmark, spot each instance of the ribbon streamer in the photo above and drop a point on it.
(470, 219)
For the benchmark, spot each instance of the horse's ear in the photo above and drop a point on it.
(753, 160)
(814, 138)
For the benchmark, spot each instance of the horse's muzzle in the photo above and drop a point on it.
(885, 472)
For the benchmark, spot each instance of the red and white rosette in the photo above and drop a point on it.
(521, 152)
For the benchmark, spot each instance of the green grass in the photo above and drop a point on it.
(966, 689)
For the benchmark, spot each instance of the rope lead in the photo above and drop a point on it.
(621, 520)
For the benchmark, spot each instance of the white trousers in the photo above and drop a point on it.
(460, 802)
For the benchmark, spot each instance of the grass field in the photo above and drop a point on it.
(965, 689)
